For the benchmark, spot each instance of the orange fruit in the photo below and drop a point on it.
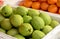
(21, 3)
(43, 0)
(52, 1)
(52, 8)
(44, 6)
(58, 3)
(28, 3)
(59, 11)
(35, 5)
(34, 0)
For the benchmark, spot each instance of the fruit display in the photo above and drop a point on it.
(52, 6)
(24, 23)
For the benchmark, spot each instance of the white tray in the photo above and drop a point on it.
(54, 34)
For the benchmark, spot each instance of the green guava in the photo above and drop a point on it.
(18, 36)
(27, 19)
(47, 29)
(25, 29)
(7, 11)
(5, 24)
(33, 12)
(21, 10)
(54, 23)
(38, 34)
(16, 20)
(12, 32)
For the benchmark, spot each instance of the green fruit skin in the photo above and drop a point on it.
(5, 24)
(33, 12)
(30, 38)
(47, 29)
(37, 23)
(47, 19)
(16, 20)
(1, 18)
(0, 10)
(27, 19)
(19, 36)
(25, 29)
(38, 34)
(22, 10)
(12, 32)
(2, 30)
(54, 23)
(7, 11)
(14, 11)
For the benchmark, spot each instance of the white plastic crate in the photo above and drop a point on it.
(5, 36)
(54, 34)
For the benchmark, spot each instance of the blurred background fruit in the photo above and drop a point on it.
(52, 1)
(28, 3)
(36, 5)
(58, 3)
(59, 11)
(52, 8)
(45, 5)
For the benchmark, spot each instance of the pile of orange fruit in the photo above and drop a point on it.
(46, 5)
